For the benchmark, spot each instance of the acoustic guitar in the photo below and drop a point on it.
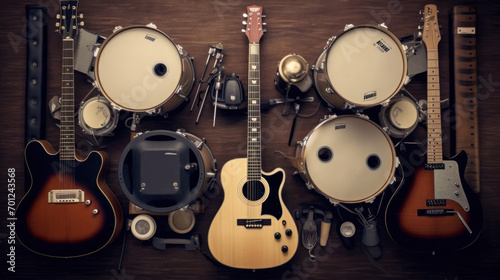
(68, 211)
(436, 210)
(253, 229)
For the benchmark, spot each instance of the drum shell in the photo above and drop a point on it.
(335, 95)
(388, 166)
(135, 96)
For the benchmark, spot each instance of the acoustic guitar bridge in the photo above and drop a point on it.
(254, 223)
(66, 196)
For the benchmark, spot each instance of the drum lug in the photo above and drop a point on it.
(181, 51)
(180, 93)
(181, 131)
(154, 111)
(407, 80)
(330, 42)
(363, 116)
(383, 25)
(309, 185)
(370, 200)
(348, 26)
(117, 28)
(327, 117)
(152, 25)
(386, 103)
(348, 106)
(333, 201)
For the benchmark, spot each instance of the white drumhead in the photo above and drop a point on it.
(138, 68)
(96, 114)
(403, 114)
(366, 65)
(349, 159)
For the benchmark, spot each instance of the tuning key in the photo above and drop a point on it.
(58, 16)
(82, 23)
(243, 30)
(245, 15)
(81, 15)
(244, 22)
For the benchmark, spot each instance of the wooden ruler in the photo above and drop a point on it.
(464, 87)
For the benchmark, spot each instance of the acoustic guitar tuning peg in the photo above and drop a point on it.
(58, 24)
(244, 22)
(245, 15)
(82, 23)
(243, 30)
(81, 15)
(58, 16)
(263, 16)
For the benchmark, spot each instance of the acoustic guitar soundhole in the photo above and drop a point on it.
(253, 190)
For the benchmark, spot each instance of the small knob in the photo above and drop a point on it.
(284, 248)
(288, 232)
(277, 235)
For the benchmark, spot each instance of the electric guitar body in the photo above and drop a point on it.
(250, 230)
(436, 210)
(426, 214)
(68, 210)
(67, 222)
(253, 229)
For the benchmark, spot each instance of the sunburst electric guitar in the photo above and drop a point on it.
(68, 211)
(437, 210)
(253, 229)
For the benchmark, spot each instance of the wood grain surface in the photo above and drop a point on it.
(302, 27)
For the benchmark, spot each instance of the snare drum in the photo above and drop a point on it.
(140, 69)
(348, 159)
(97, 117)
(400, 117)
(362, 67)
(163, 171)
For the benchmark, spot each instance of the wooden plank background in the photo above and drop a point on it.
(302, 27)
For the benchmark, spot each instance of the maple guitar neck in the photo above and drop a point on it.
(434, 129)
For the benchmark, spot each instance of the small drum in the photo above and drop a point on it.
(97, 117)
(400, 117)
(163, 171)
(140, 69)
(362, 67)
(348, 159)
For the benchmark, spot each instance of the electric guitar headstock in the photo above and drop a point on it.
(68, 18)
(431, 34)
(254, 23)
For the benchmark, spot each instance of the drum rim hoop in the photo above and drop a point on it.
(96, 69)
(318, 189)
(400, 47)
